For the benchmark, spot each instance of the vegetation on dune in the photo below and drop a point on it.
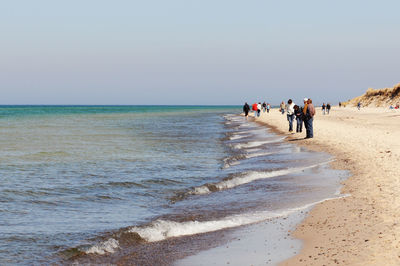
(377, 97)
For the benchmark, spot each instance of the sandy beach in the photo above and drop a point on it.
(363, 228)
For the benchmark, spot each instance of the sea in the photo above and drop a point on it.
(144, 185)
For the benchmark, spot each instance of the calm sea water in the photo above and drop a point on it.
(76, 180)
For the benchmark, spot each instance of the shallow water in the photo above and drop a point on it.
(77, 180)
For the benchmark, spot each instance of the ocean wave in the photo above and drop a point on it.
(109, 246)
(257, 143)
(246, 178)
(257, 154)
(163, 229)
(232, 161)
(235, 137)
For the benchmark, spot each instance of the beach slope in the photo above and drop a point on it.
(363, 228)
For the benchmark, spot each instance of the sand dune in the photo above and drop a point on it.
(377, 98)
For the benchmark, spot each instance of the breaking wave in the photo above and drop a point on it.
(163, 229)
(108, 246)
(247, 178)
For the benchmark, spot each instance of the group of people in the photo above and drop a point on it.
(326, 108)
(256, 108)
(302, 114)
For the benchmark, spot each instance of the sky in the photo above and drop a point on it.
(195, 52)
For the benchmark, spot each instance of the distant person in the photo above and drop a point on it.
(268, 107)
(282, 107)
(358, 105)
(323, 108)
(328, 108)
(309, 112)
(298, 112)
(254, 108)
(246, 109)
(290, 114)
(259, 109)
(340, 104)
(264, 106)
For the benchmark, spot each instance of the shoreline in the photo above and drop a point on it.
(269, 241)
(360, 229)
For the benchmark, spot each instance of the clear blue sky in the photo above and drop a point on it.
(195, 52)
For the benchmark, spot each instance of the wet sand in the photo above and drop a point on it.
(364, 228)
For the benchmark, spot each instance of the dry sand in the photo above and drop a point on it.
(364, 228)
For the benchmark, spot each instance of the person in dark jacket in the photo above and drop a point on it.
(309, 112)
(298, 112)
(246, 110)
(264, 106)
(328, 108)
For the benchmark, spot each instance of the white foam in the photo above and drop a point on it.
(253, 144)
(162, 229)
(200, 190)
(108, 246)
(235, 137)
(249, 177)
(257, 154)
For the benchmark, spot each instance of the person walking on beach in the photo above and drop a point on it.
(358, 105)
(258, 109)
(309, 112)
(298, 112)
(290, 114)
(328, 108)
(246, 109)
(254, 108)
(268, 107)
(282, 107)
(323, 108)
(340, 104)
(264, 106)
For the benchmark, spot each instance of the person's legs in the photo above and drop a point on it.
(255, 113)
(306, 126)
(310, 128)
(290, 119)
(299, 124)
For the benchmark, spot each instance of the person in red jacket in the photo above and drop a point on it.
(255, 109)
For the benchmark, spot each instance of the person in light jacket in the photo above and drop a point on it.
(282, 107)
(259, 109)
(290, 113)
